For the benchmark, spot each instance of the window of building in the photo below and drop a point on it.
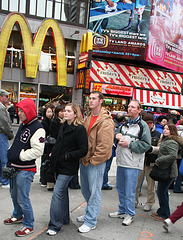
(14, 5)
(69, 11)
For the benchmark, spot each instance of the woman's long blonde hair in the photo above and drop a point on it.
(79, 117)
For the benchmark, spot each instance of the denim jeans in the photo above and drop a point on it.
(91, 184)
(163, 197)
(126, 183)
(19, 190)
(107, 168)
(3, 156)
(59, 209)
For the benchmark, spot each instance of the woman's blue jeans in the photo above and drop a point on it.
(59, 209)
(19, 190)
(163, 197)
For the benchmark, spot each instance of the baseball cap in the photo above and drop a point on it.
(4, 92)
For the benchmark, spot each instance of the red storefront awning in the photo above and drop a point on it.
(158, 99)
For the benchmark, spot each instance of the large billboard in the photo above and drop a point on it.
(121, 28)
(33, 47)
(165, 45)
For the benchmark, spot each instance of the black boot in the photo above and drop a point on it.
(129, 25)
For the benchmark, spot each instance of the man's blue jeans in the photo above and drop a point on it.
(107, 168)
(59, 209)
(3, 156)
(19, 190)
(126, 183)
(91, 184)
(163, 197)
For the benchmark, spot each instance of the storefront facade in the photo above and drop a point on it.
(121, 83)
(58, 15)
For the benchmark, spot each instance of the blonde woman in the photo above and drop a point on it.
(71, 145)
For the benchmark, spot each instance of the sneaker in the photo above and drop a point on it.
(84, 228)
(117, 215)
(7, 186)
(23, 231)
(51, 232)
(128, 220)
(13, 220)
(167, 225)
(43, 185)
(147, 208)
(80, 218)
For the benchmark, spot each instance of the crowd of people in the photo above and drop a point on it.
(68, 143)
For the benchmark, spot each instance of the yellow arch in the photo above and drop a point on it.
(32, 49)
(86, 42)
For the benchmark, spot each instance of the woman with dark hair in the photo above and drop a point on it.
(71, 145)
(57, 121)
(167, 156)
(47, 117)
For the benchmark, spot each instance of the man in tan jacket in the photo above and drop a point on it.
(100, 130)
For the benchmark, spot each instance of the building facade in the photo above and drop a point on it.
(72, 18)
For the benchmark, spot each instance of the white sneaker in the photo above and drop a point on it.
(117, 215)
(84, 228)
(80, 218)
(51, 232)
(128, 220)
(167, 225)
(6, 186)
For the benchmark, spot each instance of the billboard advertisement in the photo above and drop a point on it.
(165, 46)
(121, 28)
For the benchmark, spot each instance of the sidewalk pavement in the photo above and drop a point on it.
(143, 227)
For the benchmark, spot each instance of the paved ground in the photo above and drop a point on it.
(143, 227)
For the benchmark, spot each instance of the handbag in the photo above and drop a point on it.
(181, 167)
(159, 174)
(9, 172)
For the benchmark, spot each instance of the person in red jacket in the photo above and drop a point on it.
(28, 145)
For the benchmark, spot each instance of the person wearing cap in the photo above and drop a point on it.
(6, 133)
(150, 158)
(26, 148)
(161, 122)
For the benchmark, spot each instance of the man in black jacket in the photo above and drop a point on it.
(148, 165)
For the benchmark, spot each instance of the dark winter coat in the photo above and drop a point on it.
(155, 137)
(71, 145)
(54, 127)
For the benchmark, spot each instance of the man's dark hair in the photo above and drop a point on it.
(101, 96)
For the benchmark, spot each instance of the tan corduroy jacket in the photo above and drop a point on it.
(100, 138)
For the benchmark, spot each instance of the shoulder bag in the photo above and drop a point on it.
(159, 174)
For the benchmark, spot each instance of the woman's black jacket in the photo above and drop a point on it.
(71, 145)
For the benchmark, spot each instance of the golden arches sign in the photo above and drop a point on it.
(86, 42)
(32, 48)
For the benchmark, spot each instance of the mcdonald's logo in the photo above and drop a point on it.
(86, 43)
(32, 48)
(80, 79)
